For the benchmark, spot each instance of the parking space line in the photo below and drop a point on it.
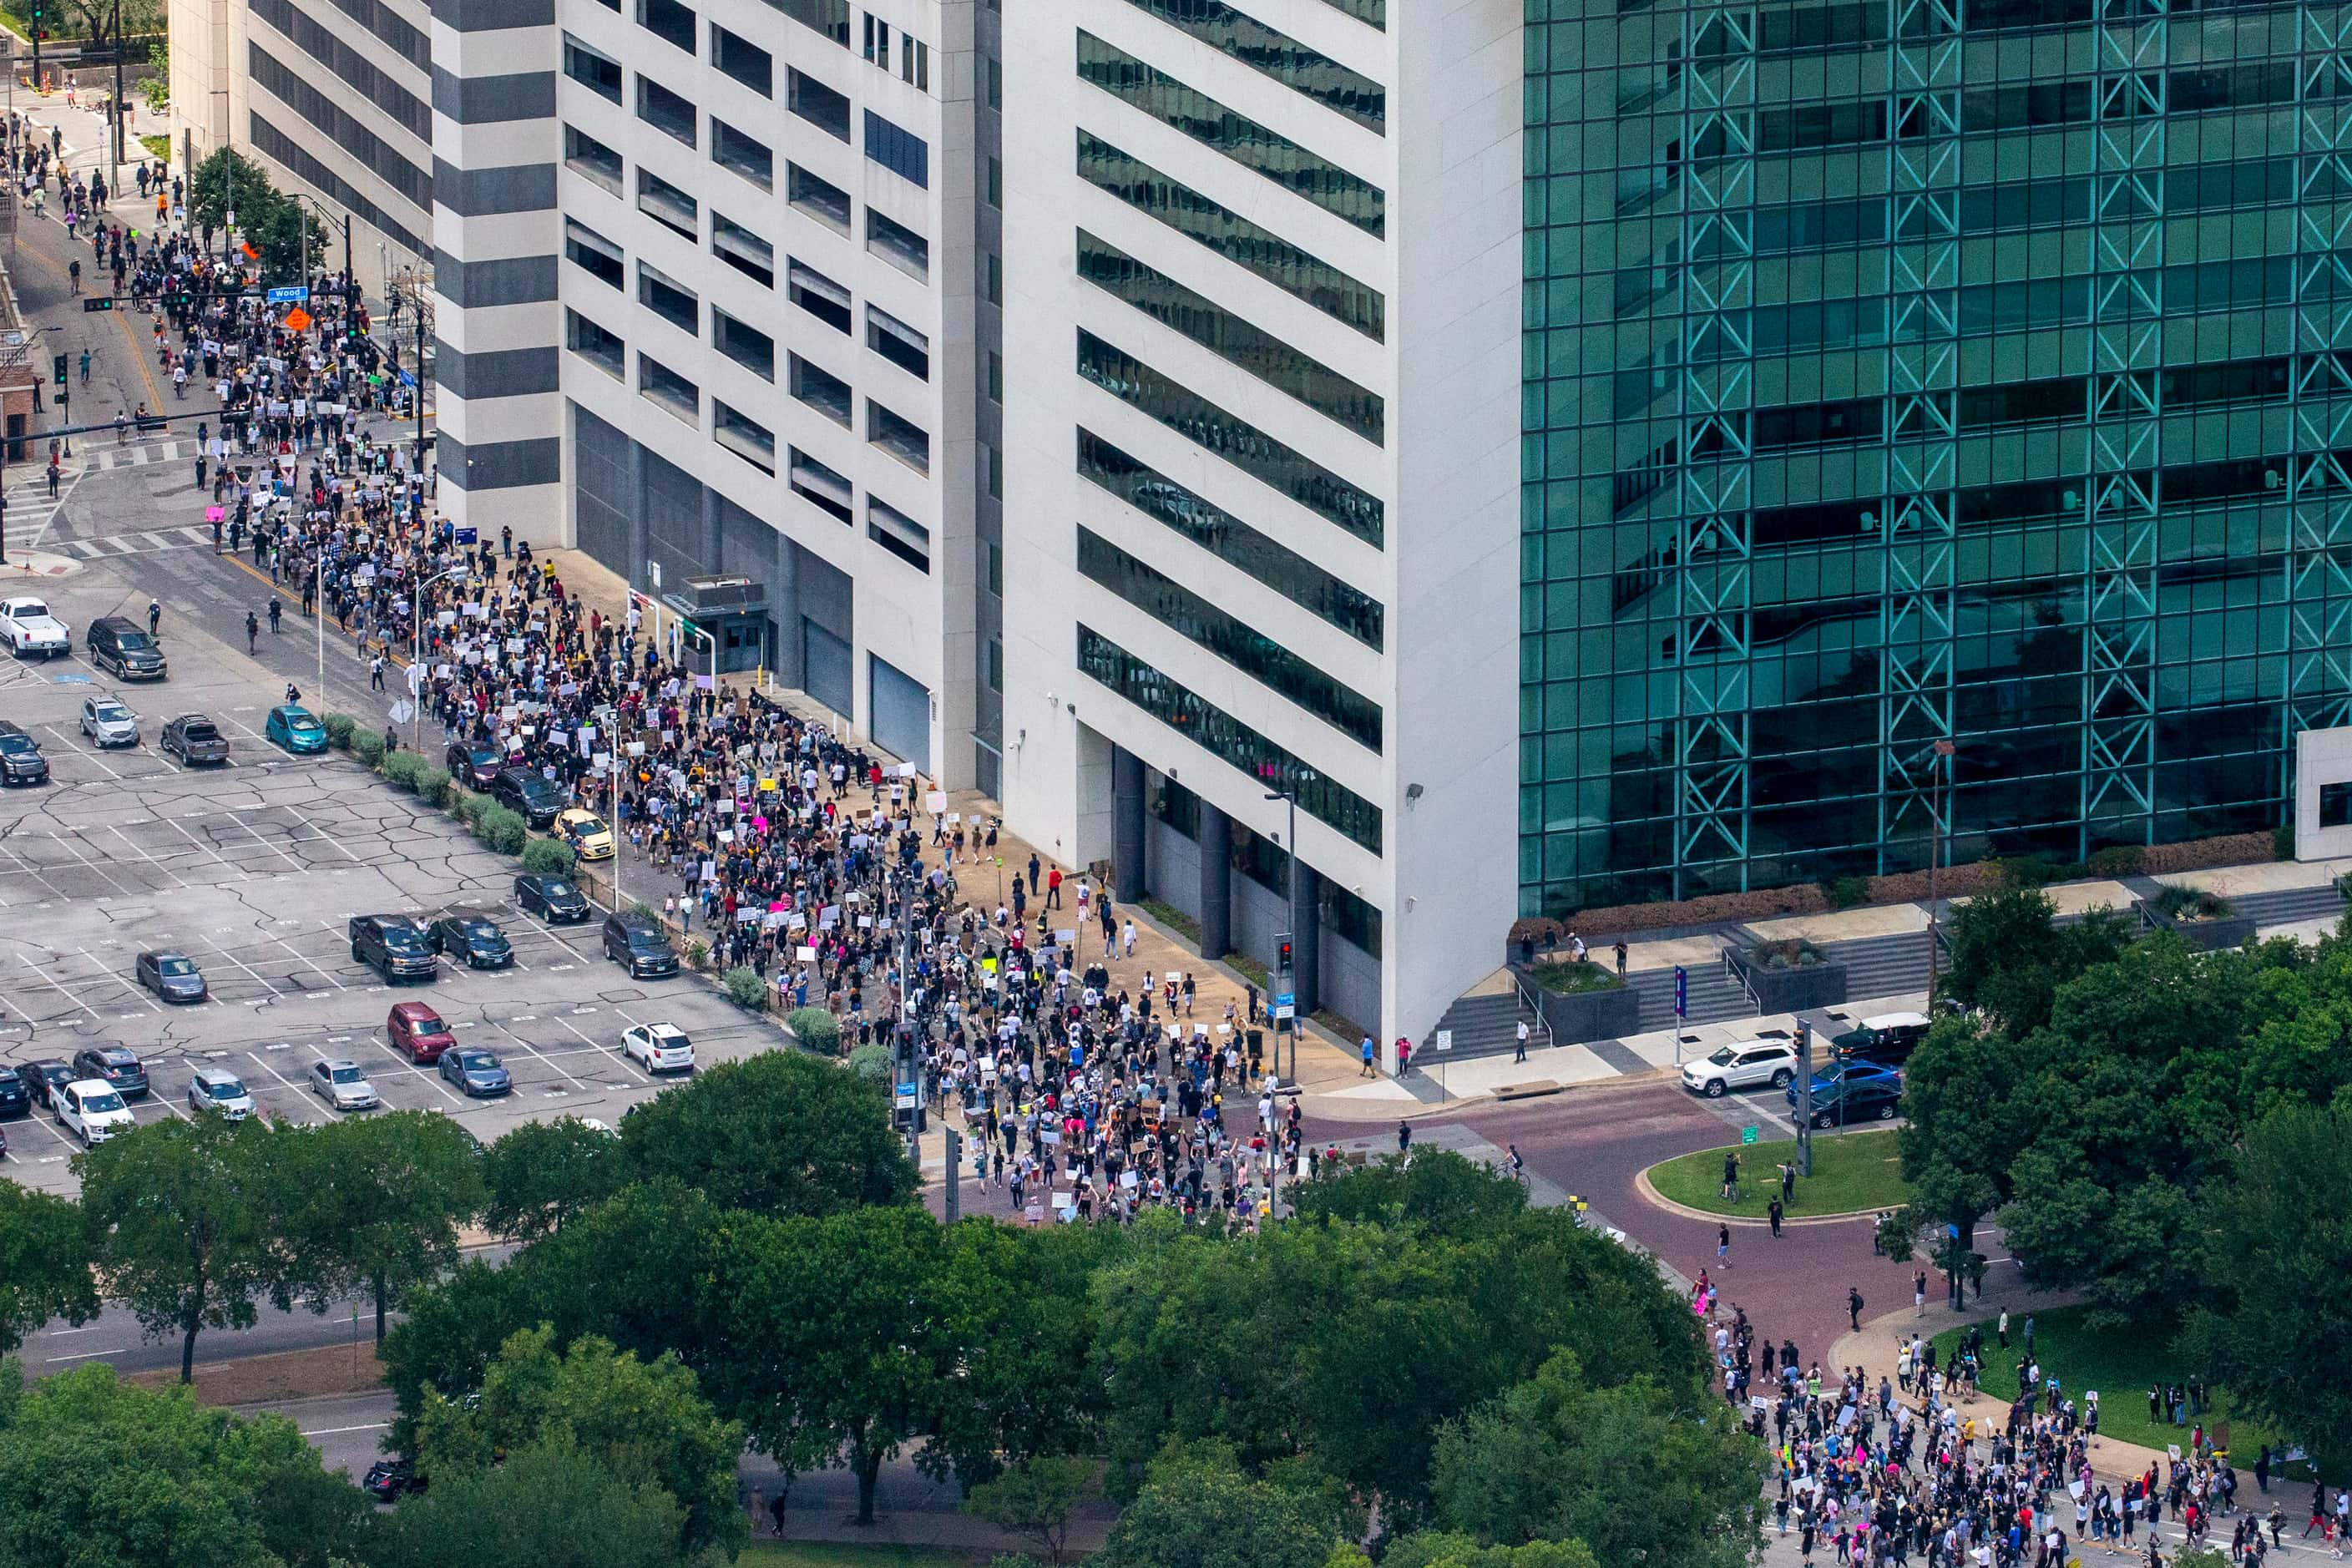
(143, 854)
(61, 990)
(291, 860)
(48, 1120)
(242, 874)
(33, 871)
(72, 843)
(306, 822)
(628, 1063)
(535, 1053)
(301, 1093)
(267, 984)
(312, 962)
(108, 973)
(549, 933)
(375, 1037)
(77, 750)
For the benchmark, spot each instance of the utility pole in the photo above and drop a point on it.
(350, 278)
(1805, 1098)
(114, 163)
(955, 1175)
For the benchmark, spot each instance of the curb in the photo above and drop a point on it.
(1651, 1196)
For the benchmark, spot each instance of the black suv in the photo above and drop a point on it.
(638, 945)
(21, 761)
(472, 938)
(120, 646)
(193, 738)
(394, 946)
(552, 899)
(119, 1067)
(15, 1099)
(526, 791)
(474, 763)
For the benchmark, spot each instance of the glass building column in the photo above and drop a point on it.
(2318, 638)
(2122, 496)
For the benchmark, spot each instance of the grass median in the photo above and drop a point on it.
(1852, 1171)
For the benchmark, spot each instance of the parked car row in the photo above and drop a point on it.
(1862, 1082)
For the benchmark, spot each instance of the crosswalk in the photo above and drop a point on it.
(136, 456)
(144, 542)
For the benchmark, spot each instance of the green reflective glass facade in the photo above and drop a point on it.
(1920, 372)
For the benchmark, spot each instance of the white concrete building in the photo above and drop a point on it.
(1263, 265)
(709, 286)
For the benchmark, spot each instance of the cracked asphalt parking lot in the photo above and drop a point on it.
(253, 871)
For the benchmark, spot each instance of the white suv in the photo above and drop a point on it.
(92, 1111)
(663, 1048)
(1748, 1064)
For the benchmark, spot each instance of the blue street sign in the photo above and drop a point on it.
(294, 296)
(408, 378)
(1681, 992)
(1285, 998)
(908, 1095)
(465, 536)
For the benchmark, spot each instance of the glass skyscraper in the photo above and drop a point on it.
(1910, 371)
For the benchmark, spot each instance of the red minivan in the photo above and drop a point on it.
(418, 1032)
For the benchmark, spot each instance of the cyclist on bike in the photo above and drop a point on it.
(252, 632)
(275, 610)
(1517, 1166)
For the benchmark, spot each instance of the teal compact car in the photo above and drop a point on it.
(296, 729)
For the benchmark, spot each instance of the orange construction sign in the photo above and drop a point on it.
(298, 320)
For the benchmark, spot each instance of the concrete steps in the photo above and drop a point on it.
(2284, 906)
(1484, 1024)
(1877, 966)
(1714, 996)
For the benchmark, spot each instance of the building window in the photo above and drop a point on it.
(902, 439)
(1258, 148)
(899, 343)
(994, 188)
(669, 300)
(995, 470)
(594, 255)
(995, 376)
(744, 60)
(897, 533)
(747, 345)
(1267, 765)
(746, 437)
(819, 199)
(668, 21)
(591, 160)
(896, 243)
(744, 251)
(821, 487)
(665, 110)
(1232, 540)
(877, 41)
(594, 343)
(742, 155)
(1284, 59)
(1244, 346)
(1248, 448)
(2336, 805)
(1248, 650)
(1230, 235)
(829, 17)
(667, 205)
(900, 151)
(992, 567)
(656, 382)
(914, 64)
(818, 295)
(995, 83)
(821, 390)
(818, 104)
(992, 671)
(591, 69)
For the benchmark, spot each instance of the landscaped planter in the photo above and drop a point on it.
(2206, 935)
(1576, 1016)
(1797, 989)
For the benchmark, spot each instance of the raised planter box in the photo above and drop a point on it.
(2206, 935)
(1798, 989)
(1577, 1015)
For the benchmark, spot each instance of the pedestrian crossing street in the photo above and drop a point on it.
(144, 542)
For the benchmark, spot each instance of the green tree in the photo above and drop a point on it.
(836, 1344)
(94, 19)
(1197, 1509)
(2009, 956)
(1035, 1499)
(95, 1472)
(1637, 1472)
(776, 1134)
(543, 1173)
(550, 1506)
(44, 1264)
(1436, 1548)
(647, 1421)
(2277, 1244)
(183, 1218)
(276, 225)
(380, 1200)
(1437, 1188)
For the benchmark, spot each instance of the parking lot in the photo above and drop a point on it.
(253, 871)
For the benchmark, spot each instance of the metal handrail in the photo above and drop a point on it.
(1732, 961)
(1529, 1000)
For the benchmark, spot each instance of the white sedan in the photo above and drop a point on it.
(1748, 1064)
(662, 1047)
(30, 628)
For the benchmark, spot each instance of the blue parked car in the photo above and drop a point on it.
(295, 728)
(1834, 1080)
(476, 1071)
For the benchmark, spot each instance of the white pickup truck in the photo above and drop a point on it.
(31, 628)
(93, 1112)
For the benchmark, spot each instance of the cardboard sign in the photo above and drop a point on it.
(937, 800)
(805, 954)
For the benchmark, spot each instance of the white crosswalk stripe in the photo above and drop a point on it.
(107, 457)
(185, 536)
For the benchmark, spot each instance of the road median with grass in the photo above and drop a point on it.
(1854, 1172)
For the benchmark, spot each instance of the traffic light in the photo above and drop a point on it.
(1282, 956)
(58, 368)
(97, 302)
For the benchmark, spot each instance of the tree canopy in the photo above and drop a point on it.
(44, 1264)
(776, 1134)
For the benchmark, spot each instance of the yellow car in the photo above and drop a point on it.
(586, 833)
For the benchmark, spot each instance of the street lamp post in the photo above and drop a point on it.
(417, 658)
(1290, 843)
(1944, 750)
